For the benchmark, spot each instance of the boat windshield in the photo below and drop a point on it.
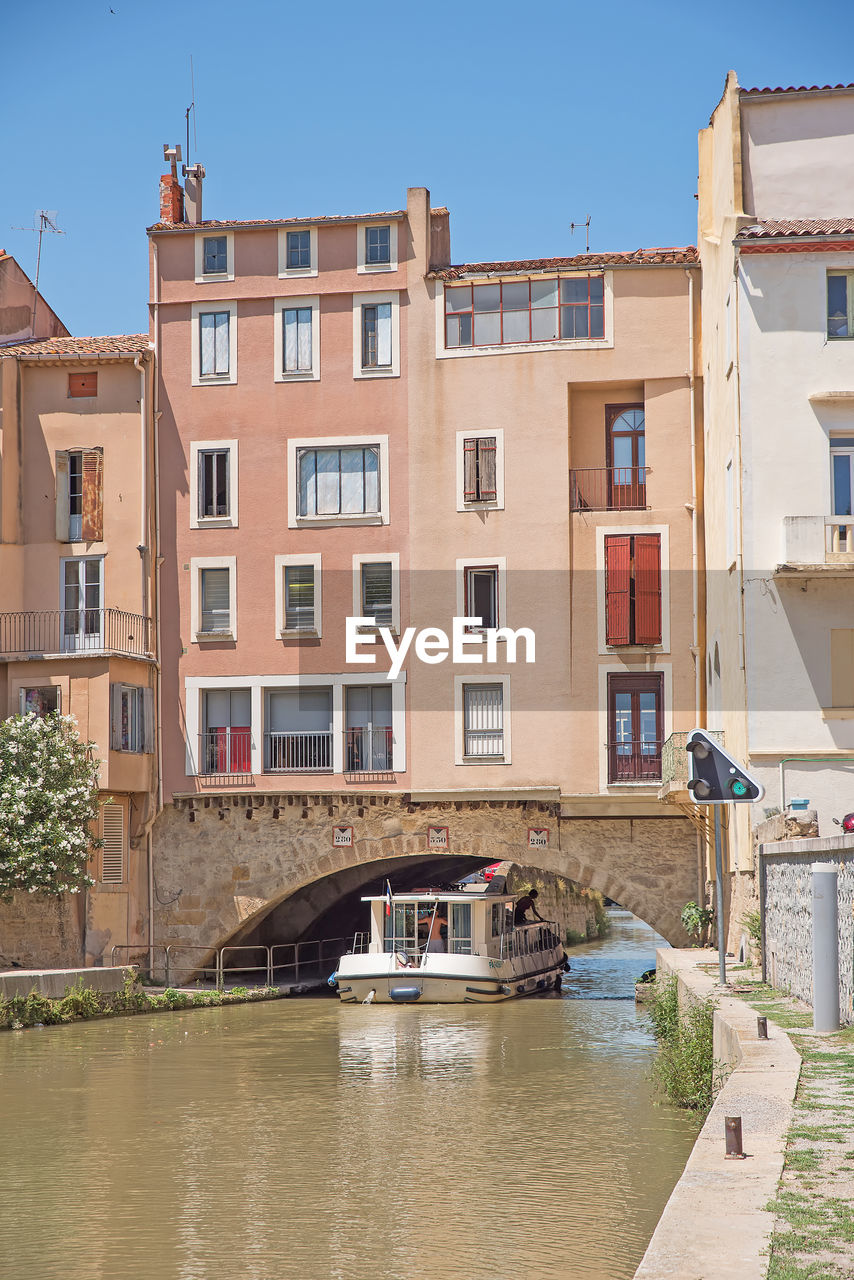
(416, 927)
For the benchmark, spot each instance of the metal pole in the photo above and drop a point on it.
(719, 897)
(825, 948)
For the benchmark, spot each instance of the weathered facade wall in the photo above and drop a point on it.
(223, 864)
(788, 915)
(37, 932)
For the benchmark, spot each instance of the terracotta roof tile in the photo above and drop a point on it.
(798, 88)
(668, 256)
(280, 222)
(114, 345)
(797, 227)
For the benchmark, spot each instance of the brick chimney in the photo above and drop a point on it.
(171, 199)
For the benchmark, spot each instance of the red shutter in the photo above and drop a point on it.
(647, 588)
(241, 749)
(617, 589)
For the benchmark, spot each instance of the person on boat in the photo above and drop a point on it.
(524, 905)
(437, 931)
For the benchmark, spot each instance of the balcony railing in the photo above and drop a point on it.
(75, 631)
(298, 752)
(675, 763)
(839, 537)
(368, 750)
(484, 742)
(225, 751)
(634, 760)
(816, 541)
(608, 488)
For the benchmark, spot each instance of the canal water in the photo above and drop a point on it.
(303, 1138)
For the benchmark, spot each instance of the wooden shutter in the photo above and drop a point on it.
(647, 588)
(148, 721)
(93, 495)
(113, 851)
(116, 717)
(470, 470)
(486, 468)
(63, 509)
(618, 574)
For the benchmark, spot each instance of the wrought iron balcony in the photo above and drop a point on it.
(608, 488)
(226, 751)
(634, 760)
(368, 750)
(53, 631)
(297, 752)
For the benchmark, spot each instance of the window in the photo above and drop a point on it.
(633, 589)
(213, 489)
(840, 304)
(842, 475)
(376, 336)
(334, 482)
(131, 718)
(478, 315)
(216, 613)
(626, 446)
(226, 739)
(481, 595)
(41, 701)
(82, 604)
(376, 592)
(479, 454)
(297, 251)
(459, 933)
(299, 731)
(82, 385)
(214, 343)
(215, 255)
(483, 728)
(80, 495)
(299, 597)
(368, 736)
(296, 339)
(113, 826)
(376, 247)
(634, 727)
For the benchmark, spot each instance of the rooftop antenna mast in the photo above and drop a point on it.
(192, 107)
(586, 226)
(47, 222)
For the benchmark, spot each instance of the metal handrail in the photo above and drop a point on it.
(75, 631)
(199, 968)
(141, 950)
(608, 488)
(634, 760)
(253, 968)
(298, 752)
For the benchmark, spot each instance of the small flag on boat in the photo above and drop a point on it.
(388, 898)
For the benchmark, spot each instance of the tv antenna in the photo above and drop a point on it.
(192, 107)
(47, 222)
(586, 226)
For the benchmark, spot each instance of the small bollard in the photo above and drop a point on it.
(762, 1028)
(734, 1149)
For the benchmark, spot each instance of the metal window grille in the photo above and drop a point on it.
(484, 719)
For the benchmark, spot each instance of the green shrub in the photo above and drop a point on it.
(80, 1002)
(176, 999)
(240, 992)
(684, 1069)
(751, 922)
(696, 920)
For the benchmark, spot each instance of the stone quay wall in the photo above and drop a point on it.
(786, 895)
(41, 932)
(576, 911)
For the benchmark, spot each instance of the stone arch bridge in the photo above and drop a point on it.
(234, 869)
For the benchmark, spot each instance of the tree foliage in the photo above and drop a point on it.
(48, 805)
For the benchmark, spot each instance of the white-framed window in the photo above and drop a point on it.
(376, 335)
(338, 480)
(297, 252)
(296, 339)
(113, 830)
(298, 595)
(214, 256)
(80, 495)
(41, 700)
(213, 598)
(376, 247)
(480, 470)
(131, 718)
(82, 603)
(482, 590)
(482, 719)
(376, 588)
(214, 343)
(840, 304)
(213, 484)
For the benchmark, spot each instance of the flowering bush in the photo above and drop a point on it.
(48, 805)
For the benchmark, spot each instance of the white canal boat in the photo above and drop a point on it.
(442, 947)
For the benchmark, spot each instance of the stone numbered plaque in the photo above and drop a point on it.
(438, 838)
(538, 837)
(342, 837)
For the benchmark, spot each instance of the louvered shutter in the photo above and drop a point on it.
(299, 597)
(470, 470)
(216, 613)
(376, 593)
(486, 468)
(617, 590)
(148, 721)
(113, 850)
(63, 513)
(647, 588)
(93, 495)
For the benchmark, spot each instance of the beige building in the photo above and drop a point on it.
(77, 539)
(776, 242)
(23, 312)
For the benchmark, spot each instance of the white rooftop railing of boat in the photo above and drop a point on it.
(361, 944)
(527, 939)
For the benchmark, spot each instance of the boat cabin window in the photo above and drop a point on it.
(460, 932)
(401, 928)
(498, 914)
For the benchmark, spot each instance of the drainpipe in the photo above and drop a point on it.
(158, 560)
(698, 646)
(847, 760)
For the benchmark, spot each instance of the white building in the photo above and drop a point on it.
(776, 241)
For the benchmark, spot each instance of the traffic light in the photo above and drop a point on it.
(715, 777)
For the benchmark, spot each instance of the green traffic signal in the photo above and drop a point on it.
(738, 787)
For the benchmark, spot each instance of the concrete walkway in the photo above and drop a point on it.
(716, 1225)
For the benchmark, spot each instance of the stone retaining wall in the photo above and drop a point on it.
(786, 892)
(573, 909)
(39, 932)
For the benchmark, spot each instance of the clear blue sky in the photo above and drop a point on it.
(520, 118)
